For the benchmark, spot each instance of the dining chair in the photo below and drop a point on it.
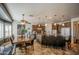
(13, 46)
(30, 44)
(9, 49)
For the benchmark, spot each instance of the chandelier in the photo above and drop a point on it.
(23, 22)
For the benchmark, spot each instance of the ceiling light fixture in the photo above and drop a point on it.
(39, 25)
(55, 24)
(45, 24)
(78, 22)
(63, 24)
(23, 22)
(55, 15)
(49, 17)
(31, 15)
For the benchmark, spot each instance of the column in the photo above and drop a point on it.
(72, 34)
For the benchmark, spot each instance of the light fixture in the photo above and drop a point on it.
(63, 24)
(55, 24)
(78, 22)
(23, 22)
(31, 15)
(45, 24)
(39, 25)
(49, 18)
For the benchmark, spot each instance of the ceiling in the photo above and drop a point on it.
(4, 14)
(43, 12)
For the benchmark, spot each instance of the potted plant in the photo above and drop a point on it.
(24, 31)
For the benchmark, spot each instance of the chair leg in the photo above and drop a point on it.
(33, 47)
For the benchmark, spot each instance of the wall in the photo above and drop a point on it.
(58, 27)
(29, 27)
(48, 29)
(74, 29)
(38, 28)
(14, 24)
(29, 30)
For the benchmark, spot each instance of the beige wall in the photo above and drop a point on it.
(76, 29)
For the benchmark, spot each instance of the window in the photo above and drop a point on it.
(10, 33)
(1, 30)
(7, 30)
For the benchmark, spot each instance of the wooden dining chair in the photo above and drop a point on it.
(10, 49)
(30, 44)
(13, 46)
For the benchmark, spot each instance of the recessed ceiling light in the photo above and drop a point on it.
(55, 15)
(46, 16)
(49, 17)
(31, 15)
(62, 15)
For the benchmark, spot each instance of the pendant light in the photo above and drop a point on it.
(23, 22)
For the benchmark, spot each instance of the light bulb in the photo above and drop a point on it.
(54, 24)
(45, 24)
(62, 24)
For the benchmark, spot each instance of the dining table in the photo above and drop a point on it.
(22, 41)
(4, 50)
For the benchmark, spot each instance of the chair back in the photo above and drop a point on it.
(32, 42)
(11, 39)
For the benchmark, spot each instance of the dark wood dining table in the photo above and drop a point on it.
(22, 40)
